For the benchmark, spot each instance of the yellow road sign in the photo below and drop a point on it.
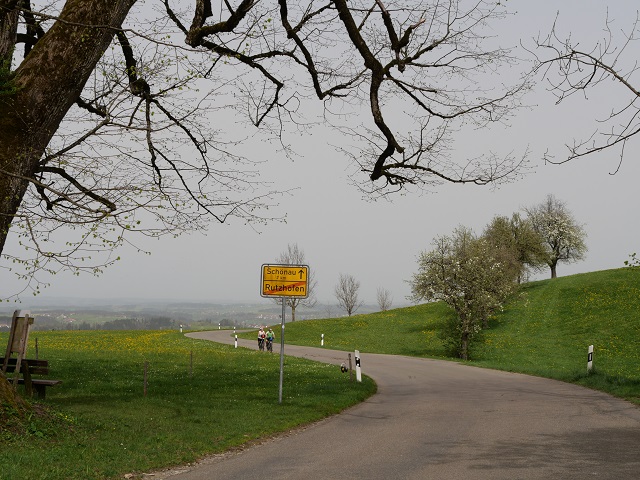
(284, 281)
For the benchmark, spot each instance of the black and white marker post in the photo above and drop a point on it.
(358, 369)
(590, 359)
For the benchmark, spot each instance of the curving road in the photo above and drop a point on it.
(441, 420)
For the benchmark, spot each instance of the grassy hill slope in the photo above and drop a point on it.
(545, 330)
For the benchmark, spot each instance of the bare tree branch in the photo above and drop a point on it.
(571, 69)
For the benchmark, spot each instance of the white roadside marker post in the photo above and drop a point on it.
(322, 339)
(236, 342)
(590, 359)
(358, 369)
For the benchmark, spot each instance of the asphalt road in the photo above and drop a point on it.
(441, 420)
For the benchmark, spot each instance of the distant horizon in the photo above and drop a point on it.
(44, 300)
(49, 301)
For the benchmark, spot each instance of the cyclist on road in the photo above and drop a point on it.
(261, 336)
(270, 338)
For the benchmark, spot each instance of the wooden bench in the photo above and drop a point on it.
(30, 367)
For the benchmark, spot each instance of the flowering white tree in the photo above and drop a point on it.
(466, 273)
(564, 238)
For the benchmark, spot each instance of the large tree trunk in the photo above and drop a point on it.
(464, 345)
(47, 83)
(553, 269)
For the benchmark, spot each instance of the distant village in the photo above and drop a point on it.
(165, 316)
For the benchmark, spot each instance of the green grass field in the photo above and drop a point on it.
(412, 331)
(547, 330)
(204, 398)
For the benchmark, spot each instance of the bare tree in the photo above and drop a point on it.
(384, 299)
(573, 68)
(294, 255)
(96, 143)
(346, 292)
(103, 159)
(563, 237)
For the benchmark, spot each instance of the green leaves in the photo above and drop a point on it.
(7, 81)
(633, 261)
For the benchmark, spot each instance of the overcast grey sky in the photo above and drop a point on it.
(378, 243)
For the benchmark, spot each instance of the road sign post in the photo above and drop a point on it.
(284, 305)
(284, 281)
